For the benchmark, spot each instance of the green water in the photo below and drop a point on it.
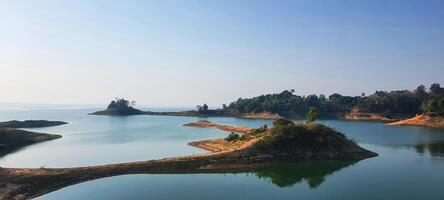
(410, 165)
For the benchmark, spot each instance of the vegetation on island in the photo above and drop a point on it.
(389, 104)
(288, 140)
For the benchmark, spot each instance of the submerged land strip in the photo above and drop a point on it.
(285, 142)
(208, 124)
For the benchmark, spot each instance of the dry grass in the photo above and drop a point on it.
(421, 120)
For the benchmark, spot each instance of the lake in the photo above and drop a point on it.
(410, 165)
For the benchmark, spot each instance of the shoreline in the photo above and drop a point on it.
(261, 115)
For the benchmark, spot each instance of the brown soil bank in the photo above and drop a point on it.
(421, 120)
(285, 142)
(208, 124)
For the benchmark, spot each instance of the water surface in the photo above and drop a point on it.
(410, 165)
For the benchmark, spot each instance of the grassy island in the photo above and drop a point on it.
(285, 142)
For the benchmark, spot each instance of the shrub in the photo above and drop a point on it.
(312, 114)
(244, 138)
(233, 136)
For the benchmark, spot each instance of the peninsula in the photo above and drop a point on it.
(285, 142)
(12, 138)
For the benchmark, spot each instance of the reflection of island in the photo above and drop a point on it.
(435, 149)
(313, 172)
(12, 139)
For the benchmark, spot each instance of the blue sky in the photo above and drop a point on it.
(184, 52)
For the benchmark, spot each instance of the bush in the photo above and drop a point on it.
(232, 136)
(312, 114)
(282, 122)
(244, 138)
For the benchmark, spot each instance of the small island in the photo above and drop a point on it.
(284, 142)
(120, 107)
(12, 138)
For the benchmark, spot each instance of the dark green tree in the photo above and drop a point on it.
(312, 114)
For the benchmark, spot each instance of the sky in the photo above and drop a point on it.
(189, 52)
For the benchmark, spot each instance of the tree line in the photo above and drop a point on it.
(387, 103)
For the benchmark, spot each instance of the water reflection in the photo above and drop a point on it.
(313, 172)
(434, 149)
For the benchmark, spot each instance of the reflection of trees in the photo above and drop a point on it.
(435, 149)
(313, 172)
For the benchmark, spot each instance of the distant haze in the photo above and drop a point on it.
(184, 53)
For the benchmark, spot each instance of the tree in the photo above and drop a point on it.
(312, 114)
(421, 91)
(436, 89)
(202, 109)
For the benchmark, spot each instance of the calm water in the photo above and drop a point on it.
(410, 165)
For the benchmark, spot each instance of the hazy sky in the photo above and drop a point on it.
(186, 52)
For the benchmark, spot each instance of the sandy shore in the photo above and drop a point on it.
(421, 120)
